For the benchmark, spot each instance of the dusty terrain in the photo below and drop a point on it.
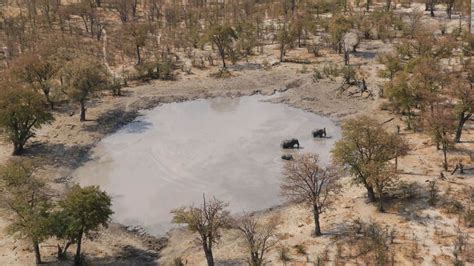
(425, 235)
(64, 145)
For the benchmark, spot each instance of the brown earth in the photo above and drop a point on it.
(65, 144)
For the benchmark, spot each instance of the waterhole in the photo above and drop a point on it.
(223, 147)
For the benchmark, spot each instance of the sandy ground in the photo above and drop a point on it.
(66, 144)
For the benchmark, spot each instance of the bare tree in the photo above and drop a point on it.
(259, 237)
(305, 181)
(207, 221)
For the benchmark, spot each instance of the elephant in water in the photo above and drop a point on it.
(290, 144)
(320, 133)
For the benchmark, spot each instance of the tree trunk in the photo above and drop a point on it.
(445, 155)
(396, 164)
(346, 57)
(370, 194)
(83, 111)
(139, 58)
(77, 257)
(17, 149)
(388, 5)
(432, 7)
(317, 227)
(282, 52)
(381, 209)
(37, 252)
(223, 62)
(63, 251)
(462, 120)
(222, 54)
(209, 256)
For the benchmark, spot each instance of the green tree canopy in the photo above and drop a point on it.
(26, 198)
(81, 212)
(365, 148)
(83, 77)
(22, 112)
(223, 37)
(38, 72)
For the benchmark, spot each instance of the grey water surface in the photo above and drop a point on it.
(223, 147)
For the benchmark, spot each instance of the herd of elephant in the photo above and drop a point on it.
(295, 144)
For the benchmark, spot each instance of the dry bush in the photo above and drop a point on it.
(370, 240)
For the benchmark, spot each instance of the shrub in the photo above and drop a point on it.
(300, 249)
(433, 193)
(371, 238)
(468, 217)
(317, 75)
(283, 254)
(156, 69)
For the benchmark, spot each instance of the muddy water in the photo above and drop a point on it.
(228, 148)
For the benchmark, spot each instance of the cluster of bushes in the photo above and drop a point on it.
(157, 69)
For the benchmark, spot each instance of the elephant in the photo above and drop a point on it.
(319, 133)
(290, 144)
(287, 157)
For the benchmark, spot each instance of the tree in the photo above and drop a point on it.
(449, 7)
(259, 237)
(430, 5)
(138, 35)
(123, 8)
(22, 111)
(440, 126)
(463, 92)
(207, 220)
(402, 95)
(305, 181)
(338, 27)
(223, 37)
(392, 64)
(285, 39)
(81, 213)
(26, 197)
(366, 149)
(382, 178)
(247, 38)
(38, 72)
(427, 80)
(82, 77)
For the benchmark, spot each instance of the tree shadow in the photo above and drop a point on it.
(59, 155)
(128, 255)
(138, 126)
(112, 120)
(365, 54)
(408, 200)
(230, 262)
(245, 66)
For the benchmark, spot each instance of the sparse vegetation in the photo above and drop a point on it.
(307, 182)
(324, 56)
(259, 237)
(207, 220)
